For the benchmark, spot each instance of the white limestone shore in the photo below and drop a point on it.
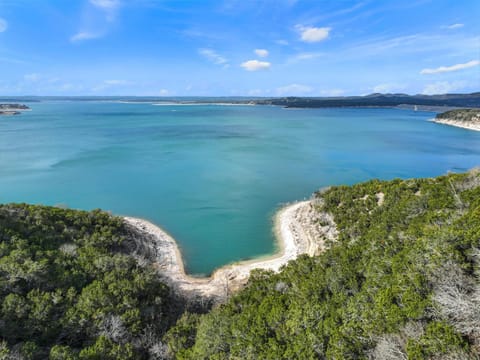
(474, 125)
(299, 230)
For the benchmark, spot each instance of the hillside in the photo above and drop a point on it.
(466, 118)
(377, 100)
(71, 287)
(429, 102)
(401, 282)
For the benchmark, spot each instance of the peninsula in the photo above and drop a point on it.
(12, 109)
(464, 118)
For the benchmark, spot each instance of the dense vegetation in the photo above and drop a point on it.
(466, 115)
(460, 100)
(68, 289)
(401, 282)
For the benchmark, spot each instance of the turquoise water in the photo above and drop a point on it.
(213, 176)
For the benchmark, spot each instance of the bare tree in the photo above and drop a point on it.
(113, 328)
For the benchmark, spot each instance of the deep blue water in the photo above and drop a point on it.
(213, 176)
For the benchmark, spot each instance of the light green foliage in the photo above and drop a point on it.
(377, 278)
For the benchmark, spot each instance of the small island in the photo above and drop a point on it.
(465, 118)
(12, 109)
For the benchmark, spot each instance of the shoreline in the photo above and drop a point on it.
(457, 123)
(297, 232)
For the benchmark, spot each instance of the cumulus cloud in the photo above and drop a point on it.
(3, 25)
(294, 89)
(443, 87)
(455, 26)
(213, 56)
(261, 52)
(163, 92)
(255, 65)
(313, 34)
(443, 69)
(84, 35)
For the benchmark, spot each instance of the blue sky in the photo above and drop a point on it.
(238, 47)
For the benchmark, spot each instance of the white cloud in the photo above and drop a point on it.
(455, 26)
(106, 4)
(313, 34)
(443, 87)
(294, 89)
(213, 56)
(163, 92)
(332, 92)
(255, 65)
(84, 35)
(3, 25)
(456, 67)
(388, 88)
(281, 42)
(261, 52)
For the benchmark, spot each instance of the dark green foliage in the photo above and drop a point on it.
(460, 100)
(465, 115)
(68, 289)
(378, 278)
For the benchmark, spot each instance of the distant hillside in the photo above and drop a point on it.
(374, 100)
(448, 100)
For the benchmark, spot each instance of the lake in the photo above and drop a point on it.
(211, 175)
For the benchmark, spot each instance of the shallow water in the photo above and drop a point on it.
(213, 176)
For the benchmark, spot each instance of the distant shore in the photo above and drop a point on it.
(297, 231)
(464, 118)
(12, 109)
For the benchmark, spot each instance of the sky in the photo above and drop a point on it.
(238, 47)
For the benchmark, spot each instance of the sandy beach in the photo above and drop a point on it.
(474, 125)
(299, 229)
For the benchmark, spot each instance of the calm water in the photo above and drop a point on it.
(213, 176)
